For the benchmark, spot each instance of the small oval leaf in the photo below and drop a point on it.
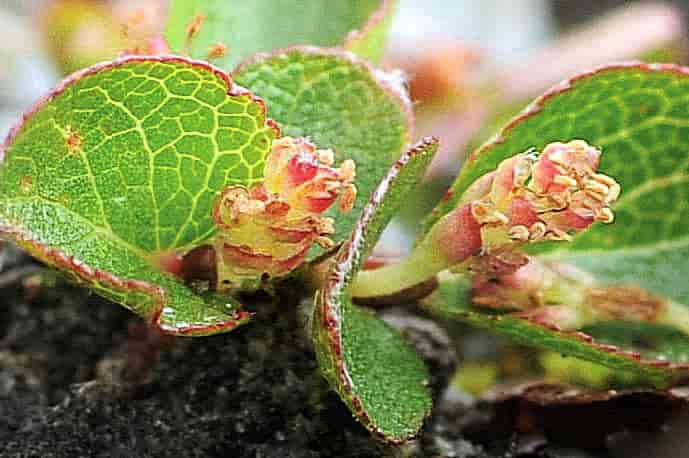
(365, 360)
(608, 344)
(638, 115)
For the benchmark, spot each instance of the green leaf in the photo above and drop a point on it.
(341, 103)
(651, 341)
(366, 361)
(369, 42)
(120, 165)
(248, 27)
(655, 356)
(639, 115)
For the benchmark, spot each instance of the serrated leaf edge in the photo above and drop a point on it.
(678, 372)
(533, 109)
(73, 265)
(233, 89)
(572, 395)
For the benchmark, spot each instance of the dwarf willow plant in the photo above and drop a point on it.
(169, 185)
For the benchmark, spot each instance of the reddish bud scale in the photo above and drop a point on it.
(459, 235)
(562, 297)
(320, 202)
(246, 257)
(282, 234)
(522, 212)
(521, 289)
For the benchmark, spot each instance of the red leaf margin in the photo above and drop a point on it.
(328, 303)
(373, 21)
(70, 264)
(535, 107)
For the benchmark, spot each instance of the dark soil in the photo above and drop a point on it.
(81, 377)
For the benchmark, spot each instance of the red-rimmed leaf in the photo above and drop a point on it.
(638, 114)
(119, 166)
(365, 360)
(369, 41)
(656, 365)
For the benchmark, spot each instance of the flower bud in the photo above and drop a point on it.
(529, 198)
(269, 228)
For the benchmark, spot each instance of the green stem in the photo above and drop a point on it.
(421, 265)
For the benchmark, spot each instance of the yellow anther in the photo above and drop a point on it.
(519, 233)
(596, 194)
(326, 226)
(551, 202)
(348, 198)
(565, 181)
(330, 186)
(537, 231)
(605, 215)
(604, 179)
(480, 209)
(596, 187)
(347, 170)
(324, 242)
(613, 193)
(558, 235)
(326, 156)
(579, 146)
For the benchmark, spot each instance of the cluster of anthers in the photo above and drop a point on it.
(546, 197)
(529, 198)
(270, 227)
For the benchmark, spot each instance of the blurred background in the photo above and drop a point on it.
(471, 65)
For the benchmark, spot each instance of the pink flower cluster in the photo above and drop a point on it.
(269, 228)
(529, 198)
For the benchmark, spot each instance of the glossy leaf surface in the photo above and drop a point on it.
(119, 166)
